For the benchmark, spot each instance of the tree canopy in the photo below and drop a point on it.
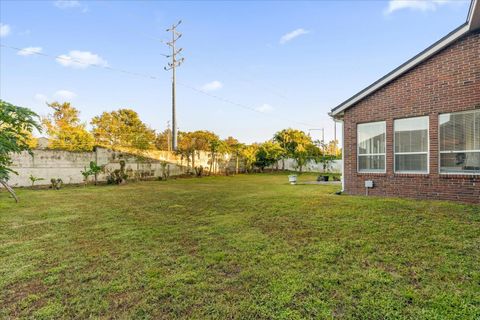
(267, 154)
(65, 129)
(298, 146)
(16, 127)
(122, 128)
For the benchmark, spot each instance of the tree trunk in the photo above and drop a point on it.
(283, 164)
(236, 164)
(193, 161)
(9, 189)
(214, 163)
(211, 164)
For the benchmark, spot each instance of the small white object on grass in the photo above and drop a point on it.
(292, 179)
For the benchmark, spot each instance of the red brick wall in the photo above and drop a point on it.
(447, 82)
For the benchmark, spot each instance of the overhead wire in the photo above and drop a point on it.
(153, 77)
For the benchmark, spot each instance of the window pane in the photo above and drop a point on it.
(467, 162)
(371, 163)
(371, 138)
(460, 131)
(411, 135)
(460, 134)
(411, 162)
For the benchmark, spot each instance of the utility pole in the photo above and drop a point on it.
(322, 145)
(169, 132)
(319, 129)
(171, 66)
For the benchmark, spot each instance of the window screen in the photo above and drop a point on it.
(411, 145)
(460, 142)
(371, 147)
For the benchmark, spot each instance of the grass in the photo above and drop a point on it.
(246, 247)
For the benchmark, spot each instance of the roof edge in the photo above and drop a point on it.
(472, 23)
(473, 19)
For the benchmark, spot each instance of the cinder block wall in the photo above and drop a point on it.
(66, 165)
(447, 82)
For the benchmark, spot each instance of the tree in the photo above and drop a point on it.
(235, 147)
(297, 145)
(332, 149)
(186, 147)
(191, 143)
(304, 153)
(249, 156)
(65, 129)
(122, 128)
(163, 140)
(267, 154)
(93, 170)
(288, 140)
(16, 125)
(203, 140)
(217, 149)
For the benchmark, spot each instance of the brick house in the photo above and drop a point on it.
(416, 131)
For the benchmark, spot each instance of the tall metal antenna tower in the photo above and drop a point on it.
(171, 66)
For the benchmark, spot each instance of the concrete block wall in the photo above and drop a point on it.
(311, 166)
(66, 165)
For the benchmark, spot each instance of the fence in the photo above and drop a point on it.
(311, 166)
(67, 165)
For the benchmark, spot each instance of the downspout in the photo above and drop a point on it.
(343, 155)
(343, 149)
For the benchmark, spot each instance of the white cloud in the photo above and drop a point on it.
(29, 51)
(41, 97)
(212, 86)
(418, 5)
(292, 35)
(67, 4)
(64, 95)
(265, 108)
(80, 59)
(70, 4)
(4, 30)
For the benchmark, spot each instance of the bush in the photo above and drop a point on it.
(199, 171)
(56, 184)
(118, 176)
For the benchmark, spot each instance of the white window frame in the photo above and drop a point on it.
(423, 152)
(372, 154)
(457, 151)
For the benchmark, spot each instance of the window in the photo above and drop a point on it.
(411, 145)
(371, 147)
(460, 142)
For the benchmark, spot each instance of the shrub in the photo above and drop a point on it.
(165, 170)
(34, 179)
(199, 171)
(56, 184)
(118, 176)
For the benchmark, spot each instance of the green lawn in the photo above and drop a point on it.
(245, 247)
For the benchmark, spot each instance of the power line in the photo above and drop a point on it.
(241, 105)
(152, 77)
(69, 59)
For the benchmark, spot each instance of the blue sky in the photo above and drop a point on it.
(290, 61)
